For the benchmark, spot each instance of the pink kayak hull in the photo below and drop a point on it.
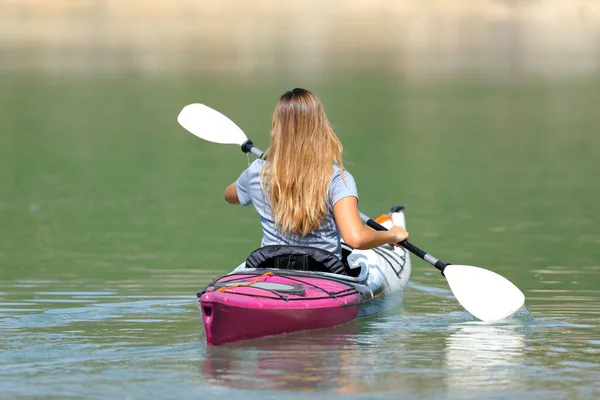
(249, 312)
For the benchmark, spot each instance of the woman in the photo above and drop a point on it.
(302, 193)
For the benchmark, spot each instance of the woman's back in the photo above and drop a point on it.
(326, 236)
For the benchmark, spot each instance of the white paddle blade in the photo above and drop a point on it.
(485, 294)
(210, 125)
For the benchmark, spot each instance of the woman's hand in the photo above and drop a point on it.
(359, 236)
(400, 234)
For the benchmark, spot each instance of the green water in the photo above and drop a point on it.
(112, 217)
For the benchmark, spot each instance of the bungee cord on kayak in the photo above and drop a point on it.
(224, 288)
(288, 287)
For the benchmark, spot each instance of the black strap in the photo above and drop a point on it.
(299, 258)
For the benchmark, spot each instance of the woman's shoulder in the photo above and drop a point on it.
(337, 180)
(341, 186)
(337, 173)
(256, 165)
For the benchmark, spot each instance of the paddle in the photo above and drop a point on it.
(485, 294)
(212, 126)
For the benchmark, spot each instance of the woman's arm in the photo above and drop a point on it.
(231, 195)
(357, 235)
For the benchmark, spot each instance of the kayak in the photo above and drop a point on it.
(303, 292)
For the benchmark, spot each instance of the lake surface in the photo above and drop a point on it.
(112, 218)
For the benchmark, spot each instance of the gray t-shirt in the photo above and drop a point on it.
(327, 237)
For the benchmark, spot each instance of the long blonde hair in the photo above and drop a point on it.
(301, 157)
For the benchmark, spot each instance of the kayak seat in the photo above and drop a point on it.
(297, 258)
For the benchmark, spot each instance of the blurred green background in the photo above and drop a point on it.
(481, 118)
(97, 167)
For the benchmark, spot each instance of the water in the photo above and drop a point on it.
(112, 219)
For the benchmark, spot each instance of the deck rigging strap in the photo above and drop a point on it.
(349, 290)
(224, 288)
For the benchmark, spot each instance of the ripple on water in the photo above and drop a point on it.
(82, 293)
(97, 310)
(115, 334)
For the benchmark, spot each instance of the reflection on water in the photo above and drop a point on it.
(283, 362)
(479, 355)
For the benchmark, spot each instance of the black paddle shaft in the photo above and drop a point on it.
(248, 147)
(440, 265)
